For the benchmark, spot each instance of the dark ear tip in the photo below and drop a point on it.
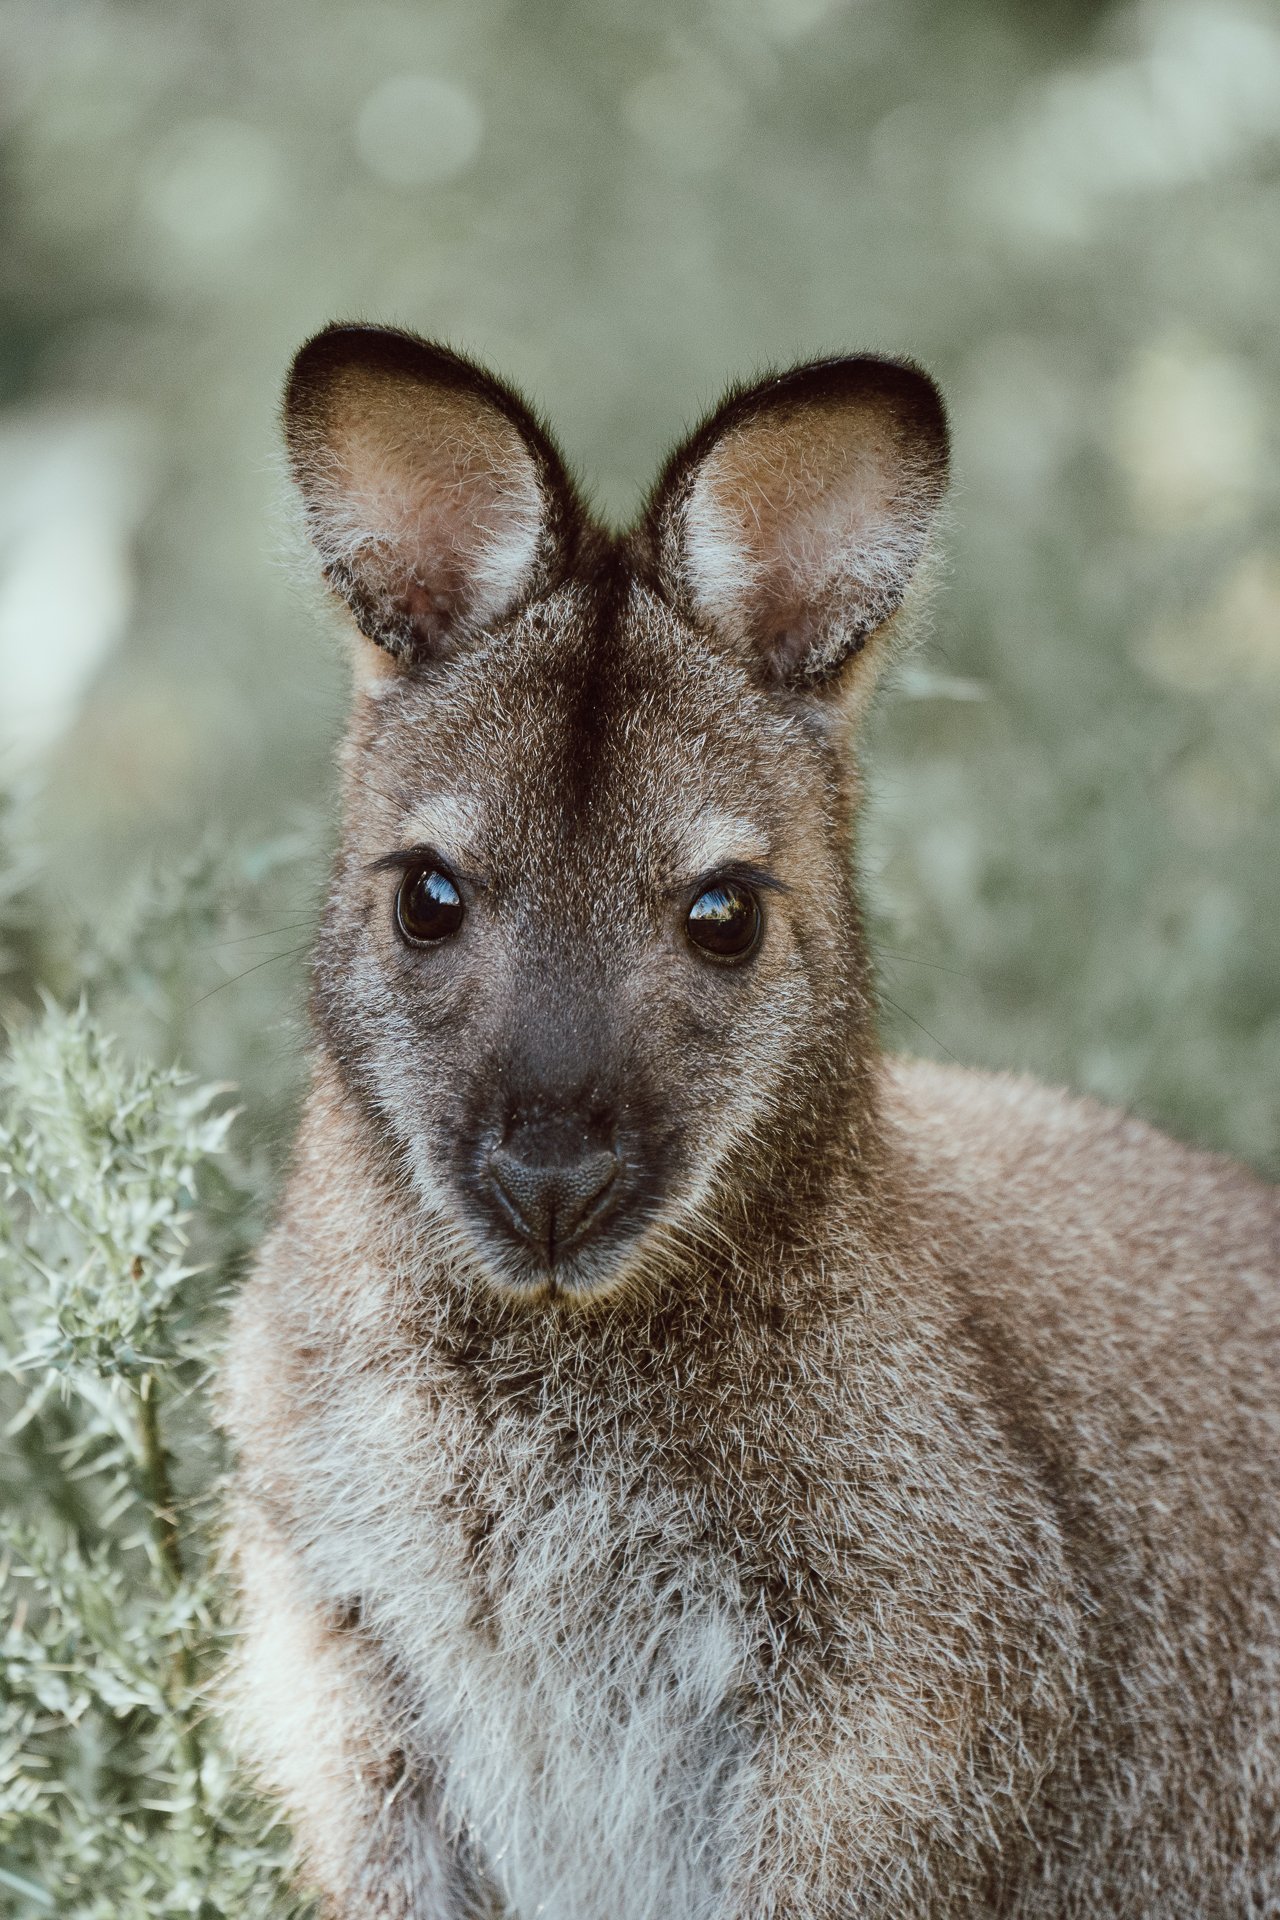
(397, 357)
(923, 407)
(390, 352)
(905, 388)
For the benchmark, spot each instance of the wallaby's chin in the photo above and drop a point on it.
(589, 1275)
(635, 1258)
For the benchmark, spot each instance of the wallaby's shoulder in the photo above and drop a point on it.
(1052, 1199)
(1039, 1141)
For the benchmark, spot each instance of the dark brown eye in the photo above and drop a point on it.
(428, 906)
(724, 922)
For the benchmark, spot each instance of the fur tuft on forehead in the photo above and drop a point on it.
(791, 523)
(437, 502)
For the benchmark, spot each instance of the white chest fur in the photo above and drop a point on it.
(569, 1657)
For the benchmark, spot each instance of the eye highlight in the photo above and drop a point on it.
(725, 921)
(428, 906)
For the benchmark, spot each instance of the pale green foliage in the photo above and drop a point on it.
(116, 1797)
(104, 1159)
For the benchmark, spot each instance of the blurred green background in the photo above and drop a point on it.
(1070, 213)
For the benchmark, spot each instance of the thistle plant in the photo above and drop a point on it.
(117, 1225)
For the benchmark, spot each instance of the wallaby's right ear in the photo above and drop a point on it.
(436, 501)
(791, 522)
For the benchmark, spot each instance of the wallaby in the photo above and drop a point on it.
(692, 1465)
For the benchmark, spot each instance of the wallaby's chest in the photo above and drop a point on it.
(591, 1714)
(579, 1653)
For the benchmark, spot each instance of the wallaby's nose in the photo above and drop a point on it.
(552, 1202)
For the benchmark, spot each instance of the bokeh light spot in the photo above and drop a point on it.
(416, 130)
(214, 183)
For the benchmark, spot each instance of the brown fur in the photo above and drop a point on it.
(876, 1513)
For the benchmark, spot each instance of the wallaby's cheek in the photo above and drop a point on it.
(720, 1047)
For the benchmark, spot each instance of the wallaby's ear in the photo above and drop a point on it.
(791, 522)
(436, 501)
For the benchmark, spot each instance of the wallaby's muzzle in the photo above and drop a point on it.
(560, 1171)
(550, 1190)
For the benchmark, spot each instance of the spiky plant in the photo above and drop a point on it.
(117, 1227)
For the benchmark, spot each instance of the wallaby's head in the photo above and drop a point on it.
(592, 961)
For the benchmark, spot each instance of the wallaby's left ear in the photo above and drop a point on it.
(438, 503)
(792, 520)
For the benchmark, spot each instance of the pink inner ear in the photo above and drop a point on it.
(429, 611)
(420, 603)
(427, 509)
(794, 650)
(802, 529)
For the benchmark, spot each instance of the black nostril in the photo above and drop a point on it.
(551, 1204)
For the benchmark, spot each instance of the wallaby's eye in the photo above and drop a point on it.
(428, 906)
(724, 922)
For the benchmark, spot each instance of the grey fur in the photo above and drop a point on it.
(878, 1516)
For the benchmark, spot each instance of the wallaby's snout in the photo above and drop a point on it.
(556, 1159)
(552, 1186)
(559, 1145)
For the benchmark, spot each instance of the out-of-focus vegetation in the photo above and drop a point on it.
(1071, 214)
(124, 1217)
(117, 1799)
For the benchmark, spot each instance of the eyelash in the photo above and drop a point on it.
(740, 873)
